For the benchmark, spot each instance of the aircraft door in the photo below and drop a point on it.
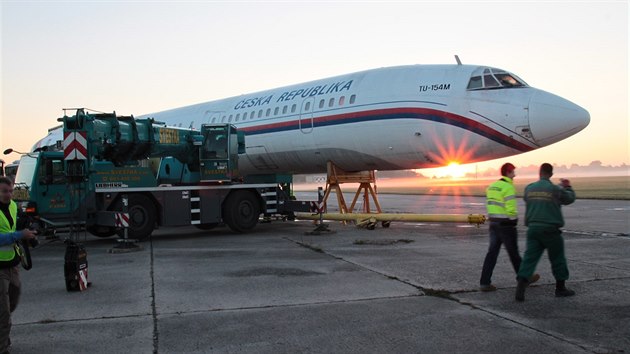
(510, 114)
(306, 115)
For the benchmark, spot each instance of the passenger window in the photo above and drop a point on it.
(214, 119)
(293, 108)
(321, 103)
(276, 110)
(284, 110)
(244, 115)
(238, 116)
(230, 119)
(252, 116)
(268, 112)
(331, 102)
(342, 99)
(307, 106)
(353, 98)
(260, 113)
(223, 119)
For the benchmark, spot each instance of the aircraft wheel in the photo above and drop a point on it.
(241, 211)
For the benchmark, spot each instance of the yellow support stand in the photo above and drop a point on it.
(365, 179)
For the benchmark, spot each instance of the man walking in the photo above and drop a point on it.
(9, 259)
(543, 217)
(503, 217)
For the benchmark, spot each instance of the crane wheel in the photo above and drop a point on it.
(208, 226)
(101, 231)
(241, 211)
(142, 217)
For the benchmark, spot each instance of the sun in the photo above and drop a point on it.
(455, 170)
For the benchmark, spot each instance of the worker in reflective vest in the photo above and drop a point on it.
(503, 217)
(9, 259)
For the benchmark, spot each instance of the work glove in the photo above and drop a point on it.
(565, 183)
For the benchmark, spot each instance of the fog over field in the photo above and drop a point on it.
(593, 181)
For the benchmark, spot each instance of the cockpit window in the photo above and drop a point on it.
(475, 83)
(492, 78)
(490, 81)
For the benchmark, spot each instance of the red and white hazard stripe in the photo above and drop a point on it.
(317, 207)
(83, 279)
(122, 220)
(75, 145)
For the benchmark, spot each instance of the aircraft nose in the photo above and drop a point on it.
(552, 118)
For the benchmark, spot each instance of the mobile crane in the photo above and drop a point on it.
(170, 176)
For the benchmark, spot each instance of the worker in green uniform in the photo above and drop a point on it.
(9, 259)
(543, 217)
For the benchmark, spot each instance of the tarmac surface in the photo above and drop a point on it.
(408, 288)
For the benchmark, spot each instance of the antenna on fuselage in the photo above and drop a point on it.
(459, 62)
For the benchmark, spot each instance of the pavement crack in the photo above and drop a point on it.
(426, 291)
(597, 264)
(444, 294)
(153, 309)
(545, 333)
(68, 320)
(314, 303)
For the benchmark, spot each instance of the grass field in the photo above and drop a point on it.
(616, 187)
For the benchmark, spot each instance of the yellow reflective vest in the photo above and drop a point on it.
(7, 252)
(501, 200)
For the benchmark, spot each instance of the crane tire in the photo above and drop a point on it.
(142, 217)
(101, 231)
(241, 211)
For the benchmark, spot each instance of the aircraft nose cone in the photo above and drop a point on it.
(552, 118)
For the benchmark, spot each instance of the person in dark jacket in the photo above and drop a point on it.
(543, 218)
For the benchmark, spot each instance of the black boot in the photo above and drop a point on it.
(561, 289)
(520, 289)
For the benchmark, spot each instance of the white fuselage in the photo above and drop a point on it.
(404, 117)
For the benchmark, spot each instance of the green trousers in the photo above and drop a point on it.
(540, 238)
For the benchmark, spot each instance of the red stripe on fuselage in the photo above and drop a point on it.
(405, 113)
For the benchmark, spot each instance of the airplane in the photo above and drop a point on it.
(392, 118)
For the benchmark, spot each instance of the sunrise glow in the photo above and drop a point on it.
(455, 170)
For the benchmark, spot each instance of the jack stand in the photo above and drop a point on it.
(367, 186)
(125, 244)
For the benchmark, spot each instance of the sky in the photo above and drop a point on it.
(142, 57)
